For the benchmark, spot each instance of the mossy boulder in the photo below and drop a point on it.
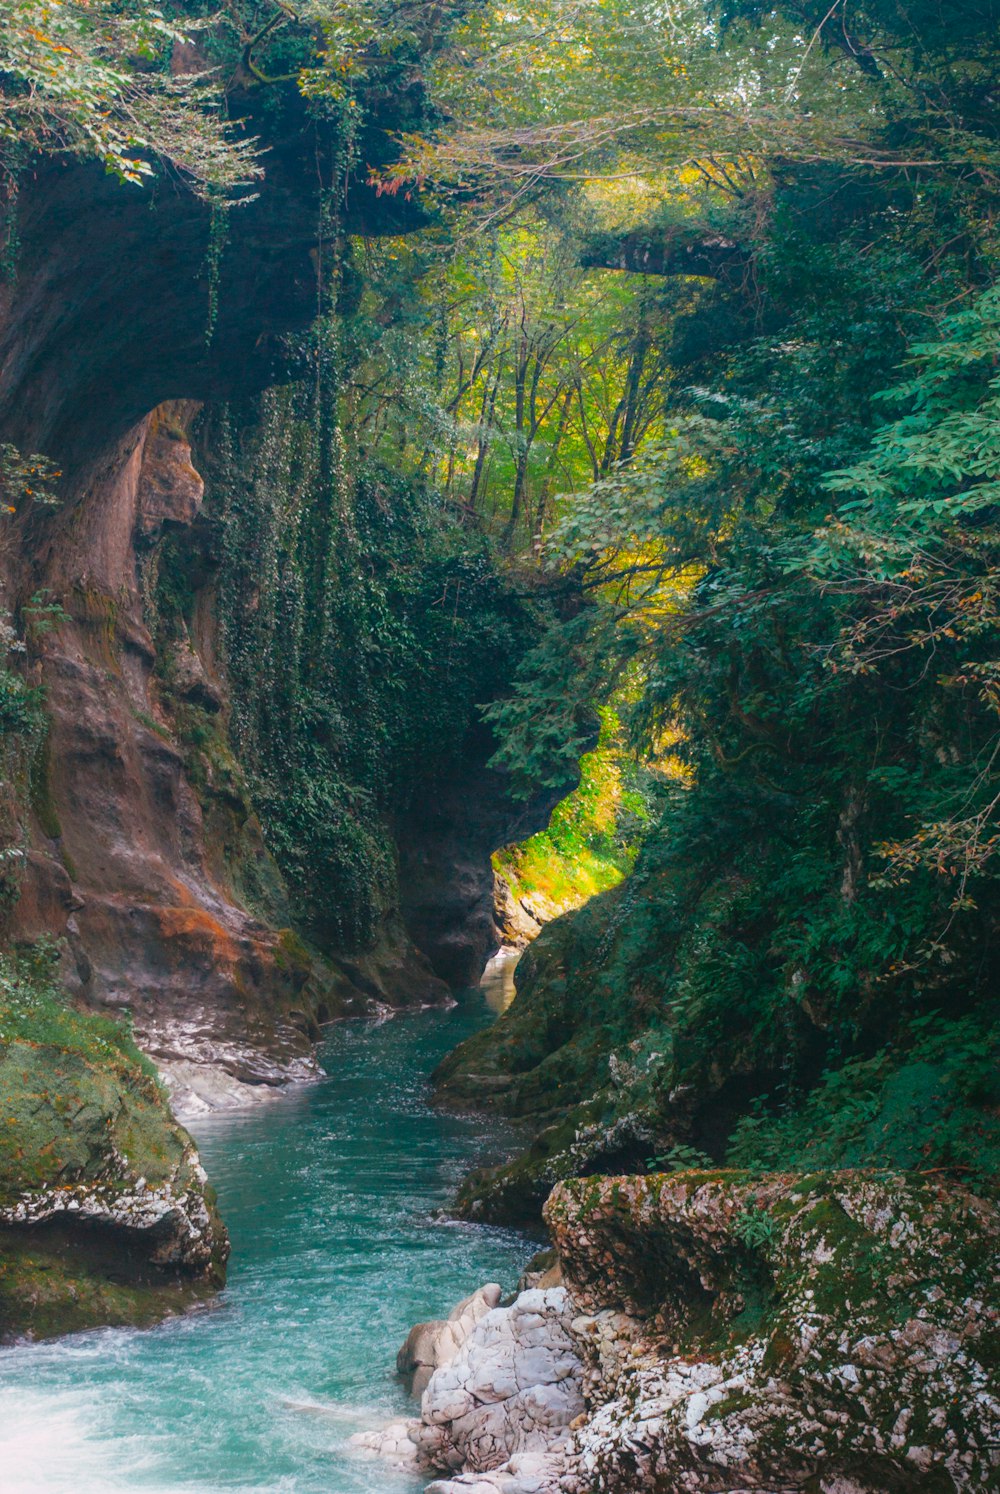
(833, 1331)
(548, 1060)
(105, 1212)
(546, 1052)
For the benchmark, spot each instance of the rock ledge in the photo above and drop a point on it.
(721, 1333)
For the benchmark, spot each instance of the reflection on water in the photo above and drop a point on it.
(497, 984)
(329, 1194)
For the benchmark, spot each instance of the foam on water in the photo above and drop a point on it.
(330, 1194)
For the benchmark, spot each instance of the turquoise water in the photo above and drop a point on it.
(329, 1194)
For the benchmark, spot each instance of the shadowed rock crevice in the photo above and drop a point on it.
(108, 312)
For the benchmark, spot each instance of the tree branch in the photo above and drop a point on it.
(680, 252)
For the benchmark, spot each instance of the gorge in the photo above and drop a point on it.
(477, 477)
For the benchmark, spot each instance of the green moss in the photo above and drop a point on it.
(98, 613)
(593, 835)
(34, 1010)
(80, 1106)
(151, 724)
(71, 1083)
(515, 1191)
(849, 1257)
(40, 790)
(51, 1284)
(730, 1405)
(293, 952)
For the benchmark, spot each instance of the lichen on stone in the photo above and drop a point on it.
(847, 1335)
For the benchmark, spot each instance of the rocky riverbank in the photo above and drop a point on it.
(715, 1332)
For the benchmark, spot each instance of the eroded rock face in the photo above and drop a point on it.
(105, 318)
(120, 866)
(512, 1390)
(146, 856)
(430, 1345)
(517, 925)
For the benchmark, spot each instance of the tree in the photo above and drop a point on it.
(102, 80)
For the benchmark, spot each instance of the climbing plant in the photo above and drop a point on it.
(361, 631)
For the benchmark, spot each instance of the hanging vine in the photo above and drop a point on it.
(218, 237)
(353, 689)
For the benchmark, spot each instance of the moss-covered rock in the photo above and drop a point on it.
(105, 1212)
(581, 1054)
(827, 1331)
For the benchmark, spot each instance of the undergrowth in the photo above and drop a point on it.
(593, 836)
(34, 1009)
(933, 1105)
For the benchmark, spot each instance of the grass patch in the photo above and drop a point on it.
(34, 1009)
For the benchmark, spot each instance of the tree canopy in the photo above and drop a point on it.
(698, 343)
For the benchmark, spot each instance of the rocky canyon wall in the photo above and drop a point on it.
(117, 863)
(142, 851)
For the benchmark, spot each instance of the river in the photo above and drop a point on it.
(330, 1193)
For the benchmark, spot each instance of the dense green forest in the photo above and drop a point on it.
(695, 356)
(790, 572)
(617, 443)
(692, 358)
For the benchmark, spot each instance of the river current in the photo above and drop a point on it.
(330, 1193)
